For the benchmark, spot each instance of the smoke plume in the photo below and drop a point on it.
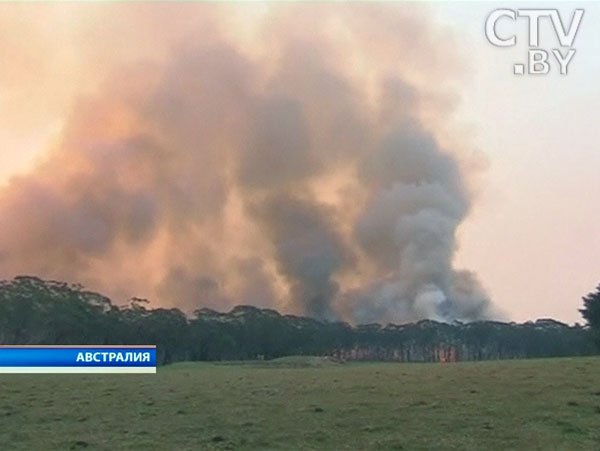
(297, 157)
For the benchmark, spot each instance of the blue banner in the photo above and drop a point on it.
(77, 356)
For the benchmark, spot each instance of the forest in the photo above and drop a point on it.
(36, 311)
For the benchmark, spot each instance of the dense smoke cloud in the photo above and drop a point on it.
(292, 166)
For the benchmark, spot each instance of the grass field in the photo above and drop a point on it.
(308, 403)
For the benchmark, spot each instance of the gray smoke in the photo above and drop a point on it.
(408, 229)
(296, 170)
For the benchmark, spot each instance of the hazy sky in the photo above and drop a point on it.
(532, 234)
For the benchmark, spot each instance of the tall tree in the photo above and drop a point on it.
(591, 312)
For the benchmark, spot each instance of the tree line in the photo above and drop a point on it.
(36, 311)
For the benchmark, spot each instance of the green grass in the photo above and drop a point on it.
(310, 403)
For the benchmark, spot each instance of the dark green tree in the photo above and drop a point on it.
(36, 311)
(591, 312)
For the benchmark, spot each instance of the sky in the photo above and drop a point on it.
(522, 181)
(533, 234)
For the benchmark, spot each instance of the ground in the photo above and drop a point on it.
(310, 403)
